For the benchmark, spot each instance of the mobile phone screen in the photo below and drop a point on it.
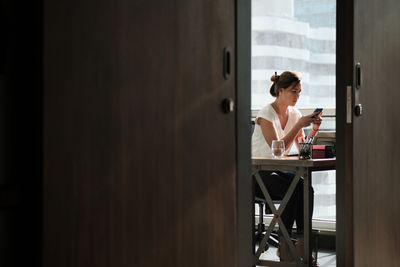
(319, 110)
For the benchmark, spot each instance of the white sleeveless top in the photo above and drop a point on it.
(260, 147)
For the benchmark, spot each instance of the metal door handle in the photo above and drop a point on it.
(228, 105)
(358, 107)
(358, 75)
(227, 62)
(358, 110)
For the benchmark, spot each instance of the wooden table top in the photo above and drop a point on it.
(294, 161)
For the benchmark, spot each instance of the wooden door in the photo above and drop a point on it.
(139, 159)
(376, 134)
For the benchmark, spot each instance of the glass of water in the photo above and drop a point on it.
(278, 148)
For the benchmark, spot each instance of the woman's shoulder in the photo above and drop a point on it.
(267, 111)
(268, 108)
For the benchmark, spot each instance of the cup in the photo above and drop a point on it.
(278, 148)
(305, 150)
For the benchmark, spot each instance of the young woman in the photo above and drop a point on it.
(280, 120)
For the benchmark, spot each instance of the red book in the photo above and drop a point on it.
(318, 152)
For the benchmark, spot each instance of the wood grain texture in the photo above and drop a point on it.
(377, 131)
(294, 162)
(139, 160)
(344, 134)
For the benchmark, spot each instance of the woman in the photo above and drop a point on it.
(279, 120)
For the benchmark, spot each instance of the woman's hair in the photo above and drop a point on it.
(285, 80)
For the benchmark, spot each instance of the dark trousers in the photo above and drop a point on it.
(277, 183)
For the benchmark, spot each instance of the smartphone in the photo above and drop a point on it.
(319, 110)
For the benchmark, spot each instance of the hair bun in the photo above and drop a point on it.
(274, 78)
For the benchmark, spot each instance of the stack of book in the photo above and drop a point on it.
(324, 145)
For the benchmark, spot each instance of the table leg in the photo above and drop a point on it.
(307, 217)
(277, 215)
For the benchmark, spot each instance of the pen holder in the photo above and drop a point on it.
(305, 150)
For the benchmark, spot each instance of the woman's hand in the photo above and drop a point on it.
(317, 120)
(306, 120)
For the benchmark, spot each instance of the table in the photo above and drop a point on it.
(303, 168)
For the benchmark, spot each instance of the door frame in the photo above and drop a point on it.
(344, 132)
(243, 133)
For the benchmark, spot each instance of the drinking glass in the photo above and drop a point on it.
(278, 148)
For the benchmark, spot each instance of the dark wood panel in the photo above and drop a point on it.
(377, 131)
(139, 159)
(344, 133)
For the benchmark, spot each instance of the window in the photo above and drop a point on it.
(299, 35)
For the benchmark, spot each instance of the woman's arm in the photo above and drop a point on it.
(269, 131)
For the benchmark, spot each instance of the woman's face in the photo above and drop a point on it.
(291, 94)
